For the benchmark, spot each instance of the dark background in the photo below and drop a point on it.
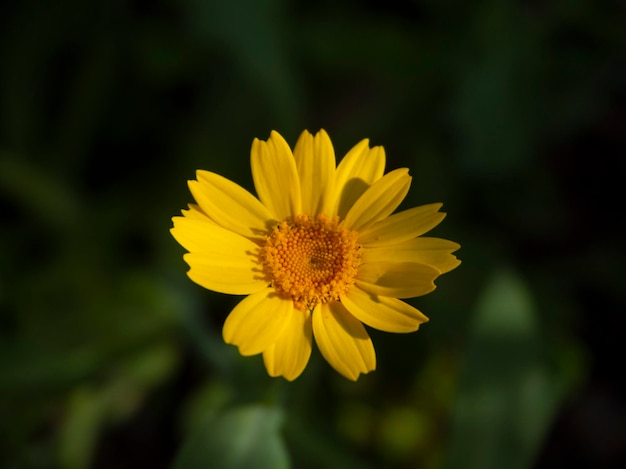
(511, 113)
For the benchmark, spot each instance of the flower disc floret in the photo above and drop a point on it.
(311, 260)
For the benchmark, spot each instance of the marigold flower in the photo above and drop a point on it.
(319, 253)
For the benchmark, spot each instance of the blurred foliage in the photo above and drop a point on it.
(511, 113)
(247, 437)
(505, 382)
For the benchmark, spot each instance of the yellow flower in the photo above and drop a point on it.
(319, 252)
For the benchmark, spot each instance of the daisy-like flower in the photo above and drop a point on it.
(319, 253)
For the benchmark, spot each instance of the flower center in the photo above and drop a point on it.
(311, 260)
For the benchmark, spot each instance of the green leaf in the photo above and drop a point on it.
(507, 395)
(244, 437)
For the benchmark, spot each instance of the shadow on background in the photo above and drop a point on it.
(511, 113)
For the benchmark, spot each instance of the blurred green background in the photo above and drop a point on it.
(511, 113)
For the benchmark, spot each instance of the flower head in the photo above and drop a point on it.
(319, 253)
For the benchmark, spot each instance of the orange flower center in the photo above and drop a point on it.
(311, 260)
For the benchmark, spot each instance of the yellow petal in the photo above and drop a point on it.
(201, 234)
(435, 252)
(290, 353)
(194, 211)
(230, 205)
(396, 279)
(315, 160)
(223, 274)
(343, 341)
(380, 200)
(257, 322)
(220, 260)
(381, 312)
(358, 170)
(402, 226)
(275, 176)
